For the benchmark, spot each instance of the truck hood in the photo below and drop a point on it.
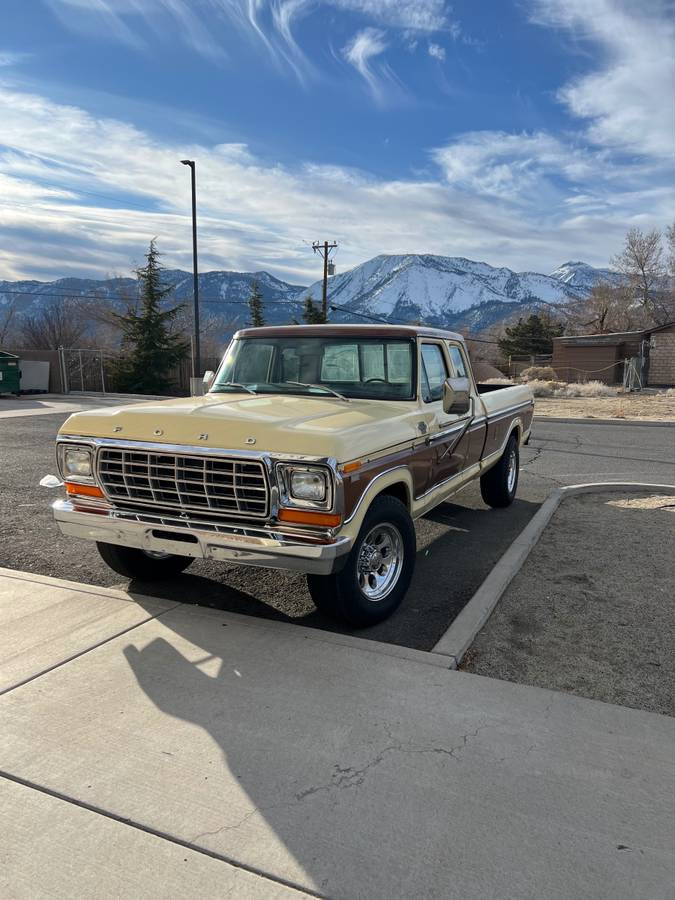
(276, 423)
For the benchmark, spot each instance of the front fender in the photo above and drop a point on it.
(397, 475)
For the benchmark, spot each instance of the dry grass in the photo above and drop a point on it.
(566, 391)
(639, 406)
(595, 400)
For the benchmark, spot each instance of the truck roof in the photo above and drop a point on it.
(328, 330)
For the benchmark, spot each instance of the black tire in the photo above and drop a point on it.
(344, 595)
(138, 565)
(498, 486)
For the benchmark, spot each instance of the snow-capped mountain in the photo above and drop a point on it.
(221, 293)
(442, 290)
(581, 275)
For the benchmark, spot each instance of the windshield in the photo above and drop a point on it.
(367, 368)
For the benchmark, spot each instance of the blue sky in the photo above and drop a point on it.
(520, 133)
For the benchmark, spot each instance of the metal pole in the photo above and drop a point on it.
(102, 375)
(81, 371)
(64, 378)
(196, 361)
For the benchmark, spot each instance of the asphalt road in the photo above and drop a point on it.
(458, 542)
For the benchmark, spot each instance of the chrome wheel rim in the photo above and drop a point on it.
(380, 561)
(512, 471)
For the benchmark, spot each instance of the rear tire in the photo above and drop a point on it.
(499, 484)
(378, 569)
(139, 565)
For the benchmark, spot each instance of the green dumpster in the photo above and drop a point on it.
(10, 373)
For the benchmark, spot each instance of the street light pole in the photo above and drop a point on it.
(196, 361)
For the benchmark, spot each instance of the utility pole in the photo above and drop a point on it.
(196, 361)
(324, 250)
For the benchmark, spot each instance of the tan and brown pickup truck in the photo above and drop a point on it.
(314, 449)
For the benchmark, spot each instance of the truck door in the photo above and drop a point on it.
(447, 434)
(478, 428)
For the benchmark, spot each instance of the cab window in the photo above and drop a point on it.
(434, 372)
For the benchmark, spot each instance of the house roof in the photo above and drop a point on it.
(617, 337)
(614, 337)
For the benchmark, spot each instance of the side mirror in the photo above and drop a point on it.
(456, 396)
(208, 380)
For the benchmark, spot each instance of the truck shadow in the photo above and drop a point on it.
(300, 786)
(457, 547)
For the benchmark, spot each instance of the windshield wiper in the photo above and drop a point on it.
(234, 384)
(321, 387)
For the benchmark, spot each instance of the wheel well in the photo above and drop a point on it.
(399, 490)
(517, 432)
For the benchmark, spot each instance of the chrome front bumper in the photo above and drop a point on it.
(223, 541)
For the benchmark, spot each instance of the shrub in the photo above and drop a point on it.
(539, 373)
(587, 389)
(544, 388)
(560, 390)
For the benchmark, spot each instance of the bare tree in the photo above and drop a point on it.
(57, 325)
(610, 307)
(7, 321)
(215, 331)
(641, 262)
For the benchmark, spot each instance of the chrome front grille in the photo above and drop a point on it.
(199, 483)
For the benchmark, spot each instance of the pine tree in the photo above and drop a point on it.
(311, 313)
(531, 336)
(150, 349)
(255, 305)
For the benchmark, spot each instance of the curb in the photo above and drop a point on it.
(301, 632)
(463, 630)
(650, 423)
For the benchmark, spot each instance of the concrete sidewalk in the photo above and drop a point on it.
(174, 750)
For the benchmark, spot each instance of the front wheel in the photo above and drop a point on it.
(142, 565)
(377, 573)
(499, 484)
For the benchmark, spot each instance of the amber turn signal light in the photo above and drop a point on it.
(309, 517)
(84, 490)
(352, 466)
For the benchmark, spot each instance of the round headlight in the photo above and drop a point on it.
(77, 462)
(308, 485)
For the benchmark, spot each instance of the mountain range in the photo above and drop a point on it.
(441, 290)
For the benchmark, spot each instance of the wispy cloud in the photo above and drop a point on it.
(627, 98)
(361, 51)
(437, 52)
(518, 167)
(270, 23)
(11, 58)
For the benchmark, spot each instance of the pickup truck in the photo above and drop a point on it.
(314, 449)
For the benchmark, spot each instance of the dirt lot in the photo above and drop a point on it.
(657, 407)
(592, 611)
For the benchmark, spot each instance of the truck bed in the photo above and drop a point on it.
(497, 398)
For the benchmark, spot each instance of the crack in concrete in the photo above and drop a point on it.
(345, 777)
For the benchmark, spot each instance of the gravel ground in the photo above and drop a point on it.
(458, 543)
(592, 611)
